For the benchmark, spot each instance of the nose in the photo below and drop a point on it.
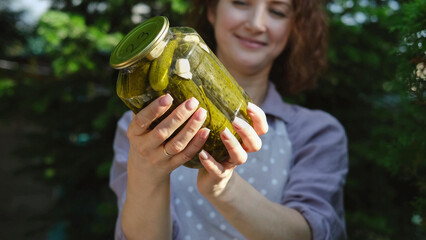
(257, 19)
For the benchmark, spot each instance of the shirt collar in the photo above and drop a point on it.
(275, 106)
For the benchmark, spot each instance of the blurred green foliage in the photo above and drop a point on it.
(57, 78)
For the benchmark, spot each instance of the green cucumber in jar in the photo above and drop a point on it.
(159, 70)
(132, 84)
(181, 89)
(220, 87)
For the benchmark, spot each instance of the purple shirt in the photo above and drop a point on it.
(302, 164)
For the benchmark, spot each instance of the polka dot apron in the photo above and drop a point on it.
(266, 170)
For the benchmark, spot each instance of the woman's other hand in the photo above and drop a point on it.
(215, 178)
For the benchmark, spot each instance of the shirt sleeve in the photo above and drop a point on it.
(318, 172)
(118, 172)
(118, 175)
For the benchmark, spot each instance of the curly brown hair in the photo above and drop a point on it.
(298, 67)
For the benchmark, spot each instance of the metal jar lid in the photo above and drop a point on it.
(139, 42)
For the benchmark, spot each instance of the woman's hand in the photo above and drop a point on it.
(148, 151)
(215, 178)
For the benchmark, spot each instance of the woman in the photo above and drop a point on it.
(290, 188)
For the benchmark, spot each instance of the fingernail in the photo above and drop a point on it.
(204, 134)
(227, 133)
(203, 155)
(192, 103)
(201, 114)
(238, 123)
(251, 109)
(166, 100)
(250, 106)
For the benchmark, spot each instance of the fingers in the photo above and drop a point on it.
(210, 164)
(182, 147)
(143, 119)
(258, 117)
(180, 141)
(217, 171)
(236, 152)
(192, 148)
(169, 125)
(149, 144)
(251, 141)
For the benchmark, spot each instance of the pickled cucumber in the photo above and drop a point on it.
(131, 86)
(220, 86)
(159, 69)
(226, 92)
(216, 121)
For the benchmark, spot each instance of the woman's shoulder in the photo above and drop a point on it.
(293, 114)
(313, 124)
(306, 116)
(301, 122)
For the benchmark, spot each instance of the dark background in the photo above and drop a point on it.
(59, 108)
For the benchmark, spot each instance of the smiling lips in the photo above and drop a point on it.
(250, 43)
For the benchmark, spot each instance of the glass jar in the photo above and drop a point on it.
(155, 59)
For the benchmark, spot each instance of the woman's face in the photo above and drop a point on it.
(250, 34)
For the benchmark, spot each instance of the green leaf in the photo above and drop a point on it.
(77, 26)
(103, 169)
(7, 87)
(49, 173)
